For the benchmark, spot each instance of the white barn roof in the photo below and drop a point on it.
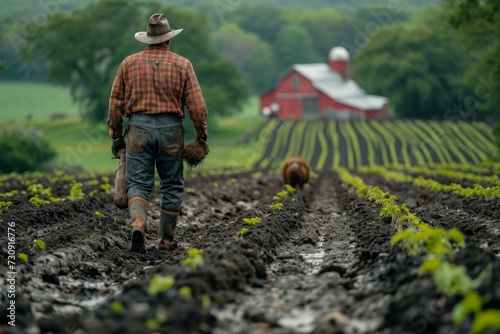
(344, 91)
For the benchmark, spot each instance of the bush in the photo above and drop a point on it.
(24, 150)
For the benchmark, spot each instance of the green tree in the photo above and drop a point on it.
(24, 150)
(265, 21)
(253, 57)
(478, 22)
(86, 46)
(326, 28)
(417, 67)
(294, 46)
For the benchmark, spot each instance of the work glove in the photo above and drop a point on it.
(201, 131)
(118, 144)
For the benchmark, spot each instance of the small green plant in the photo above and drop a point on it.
(76, 192)
(10, 193)
(277, 206)
(4, 206)
(195, 257)
(23, 256)
(156, 322)
(185, 291)
(191, 191)
(106, 187)
(37, 243)
(280, 195)
(116, 307)
(35, 189)
(37, 202)
(290, 189)
(205, 300)
(252, 221)
(159, 283)
(241, 233)
(98, 214)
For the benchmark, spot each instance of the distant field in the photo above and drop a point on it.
(20, 99)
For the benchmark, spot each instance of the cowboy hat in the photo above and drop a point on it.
(158, 30)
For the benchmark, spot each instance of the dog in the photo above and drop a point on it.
(296, 171)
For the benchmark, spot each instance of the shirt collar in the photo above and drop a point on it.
(159, 47)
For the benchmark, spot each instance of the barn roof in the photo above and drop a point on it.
(345, 91)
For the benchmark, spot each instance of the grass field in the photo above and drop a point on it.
(20, 99)
(88, 146)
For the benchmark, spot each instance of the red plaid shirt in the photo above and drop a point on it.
(155, 81)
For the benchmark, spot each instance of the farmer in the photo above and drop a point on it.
(151, 88)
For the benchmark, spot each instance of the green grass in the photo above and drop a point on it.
(88, 146)
(20, 99)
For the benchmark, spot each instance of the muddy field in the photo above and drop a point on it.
(321, 264)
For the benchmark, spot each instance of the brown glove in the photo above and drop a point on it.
(201, 130)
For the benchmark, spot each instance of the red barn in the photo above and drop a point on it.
(314, 91)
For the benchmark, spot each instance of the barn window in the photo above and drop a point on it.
(295, 81)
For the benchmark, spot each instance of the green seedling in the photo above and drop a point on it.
(98, 214)
(10, 193)
(280, 194)
(23, 256)
(205, 300)
(4, 206)
(106, 187)
(37, 202)
(252, 221)
(76, 192)
(154, 324)
(116, 307)
(486, 319)
(37, 243)
(185, 291)
(159, 283)
(241, 233)
(277, 206)
(195, 257)
(290, 189)
(35, 189)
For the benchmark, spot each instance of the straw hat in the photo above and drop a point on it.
(158, 30)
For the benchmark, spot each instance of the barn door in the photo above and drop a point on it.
(310, 107)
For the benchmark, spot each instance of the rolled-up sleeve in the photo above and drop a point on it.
(116, 105)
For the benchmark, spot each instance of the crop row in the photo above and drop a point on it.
(449, 172)
(427, 183)
(331, 143)
(438, 247)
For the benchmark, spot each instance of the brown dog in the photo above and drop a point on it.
(296, 171)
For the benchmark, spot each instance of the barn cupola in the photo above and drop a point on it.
(339, 61)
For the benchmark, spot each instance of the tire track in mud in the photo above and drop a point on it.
(306, 289)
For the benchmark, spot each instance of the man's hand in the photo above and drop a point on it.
(201, 131)
(118, 144)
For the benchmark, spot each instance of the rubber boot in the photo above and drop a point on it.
(168, 222)
(138, 209)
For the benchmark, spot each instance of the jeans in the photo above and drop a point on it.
(156, 140)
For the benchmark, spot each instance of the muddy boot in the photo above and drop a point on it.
(168, 221)
(138, 209)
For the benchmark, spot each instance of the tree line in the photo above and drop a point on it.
(429, 62)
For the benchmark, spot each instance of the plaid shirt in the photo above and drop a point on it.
(156, 81)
